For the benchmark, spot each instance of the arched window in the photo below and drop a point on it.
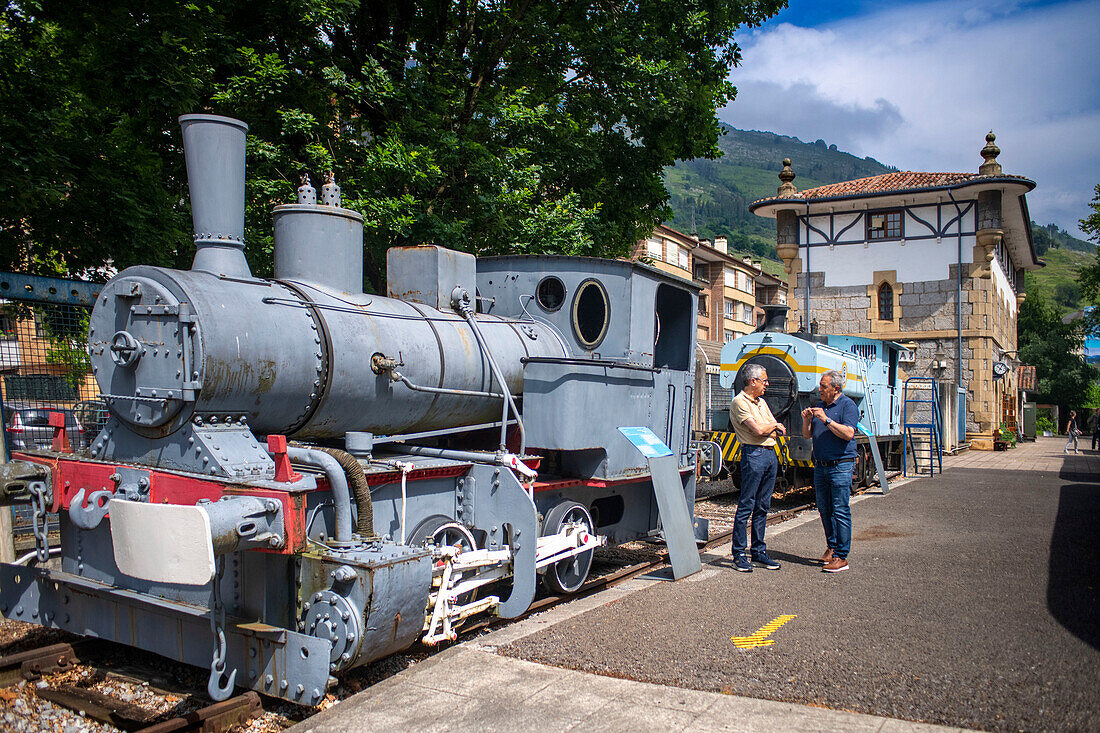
(885, 302)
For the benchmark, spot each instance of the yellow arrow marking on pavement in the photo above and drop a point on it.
(760, 638)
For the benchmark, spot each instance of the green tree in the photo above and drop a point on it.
(529, 126)
(1088, 276)
(1067, 294)
(1053, 348)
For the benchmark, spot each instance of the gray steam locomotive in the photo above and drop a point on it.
(298, 478)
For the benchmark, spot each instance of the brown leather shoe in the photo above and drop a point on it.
(836, 565)
(826, 557)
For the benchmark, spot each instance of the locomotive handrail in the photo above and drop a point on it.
(610, 363)
(399, 377)
(360, 311)
(403, 437)
(461, 301)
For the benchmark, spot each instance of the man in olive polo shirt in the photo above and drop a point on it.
(756, 429)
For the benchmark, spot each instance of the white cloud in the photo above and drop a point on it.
(918, 86)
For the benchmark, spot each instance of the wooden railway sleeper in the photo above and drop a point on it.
(216, 718)
(31, 665)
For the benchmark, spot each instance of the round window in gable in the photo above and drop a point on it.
(551, 293)
(591, 313)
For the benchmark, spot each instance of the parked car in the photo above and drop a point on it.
(28, 427)
(92, 415)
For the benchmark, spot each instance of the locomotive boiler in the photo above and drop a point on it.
(794, 363)
(298, 477)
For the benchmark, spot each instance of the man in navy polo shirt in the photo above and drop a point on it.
(832, 424)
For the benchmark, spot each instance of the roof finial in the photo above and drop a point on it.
(990, 152)
(786, 189)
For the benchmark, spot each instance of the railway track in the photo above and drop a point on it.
(70, 675)
(120, 689)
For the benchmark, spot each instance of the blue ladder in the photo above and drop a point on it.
(913, 388)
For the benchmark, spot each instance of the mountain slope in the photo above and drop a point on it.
(711, 197)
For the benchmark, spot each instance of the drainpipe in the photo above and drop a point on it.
(958, 297)
(958, 321)
(807, 308)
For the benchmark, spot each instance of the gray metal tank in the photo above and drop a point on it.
(293, 355)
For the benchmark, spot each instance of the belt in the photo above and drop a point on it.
(830, 464)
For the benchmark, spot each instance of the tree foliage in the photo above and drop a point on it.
(1053, 348)
(1089, 275)
(491, 127)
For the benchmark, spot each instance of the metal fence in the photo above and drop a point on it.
(44, 368)
(718, 403)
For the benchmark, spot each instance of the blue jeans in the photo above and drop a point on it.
(758, 466)
(833, 485)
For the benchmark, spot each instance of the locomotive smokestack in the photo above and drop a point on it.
(213, 147)
(775, 319)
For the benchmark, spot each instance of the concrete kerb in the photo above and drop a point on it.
(471, 687)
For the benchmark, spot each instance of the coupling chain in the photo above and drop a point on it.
(41, 532)
(215, 687)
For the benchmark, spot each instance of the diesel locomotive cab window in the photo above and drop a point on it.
(551, 293)
(591, 314)
(884, 225)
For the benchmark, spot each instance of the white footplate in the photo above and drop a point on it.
(163, 542)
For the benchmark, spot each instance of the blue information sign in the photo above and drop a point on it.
(647, 442)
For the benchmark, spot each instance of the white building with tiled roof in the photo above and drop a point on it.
(936, 259)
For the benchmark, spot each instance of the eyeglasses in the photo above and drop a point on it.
(758, 379)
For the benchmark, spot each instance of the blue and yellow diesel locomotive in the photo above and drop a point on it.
(795, 363)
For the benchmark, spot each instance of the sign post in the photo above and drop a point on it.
(676, 522)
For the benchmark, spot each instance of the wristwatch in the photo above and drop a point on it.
(827, 421)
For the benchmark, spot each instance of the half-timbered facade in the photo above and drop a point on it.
(935, 260)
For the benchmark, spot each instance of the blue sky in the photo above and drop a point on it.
(919, 84)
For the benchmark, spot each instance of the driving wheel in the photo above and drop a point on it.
(567, 576)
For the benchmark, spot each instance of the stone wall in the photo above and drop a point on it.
(926, 313)
(841, 311)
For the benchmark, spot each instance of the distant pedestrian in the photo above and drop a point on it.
(756, 429)
(1073, 431)
(832, 425)
(1095, 420)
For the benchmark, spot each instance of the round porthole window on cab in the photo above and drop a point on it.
(591, 313)
(550, 293)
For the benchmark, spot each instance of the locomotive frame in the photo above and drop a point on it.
(449, 444)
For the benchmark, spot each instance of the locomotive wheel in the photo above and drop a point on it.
(735, 474)
(783, 478)
(567, 576)
(862, 473)
(869, 470)
(857, 469)
(441, 530)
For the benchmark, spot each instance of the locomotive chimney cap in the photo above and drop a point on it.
(214, 151)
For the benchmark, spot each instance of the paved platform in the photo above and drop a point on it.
(971, 602)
